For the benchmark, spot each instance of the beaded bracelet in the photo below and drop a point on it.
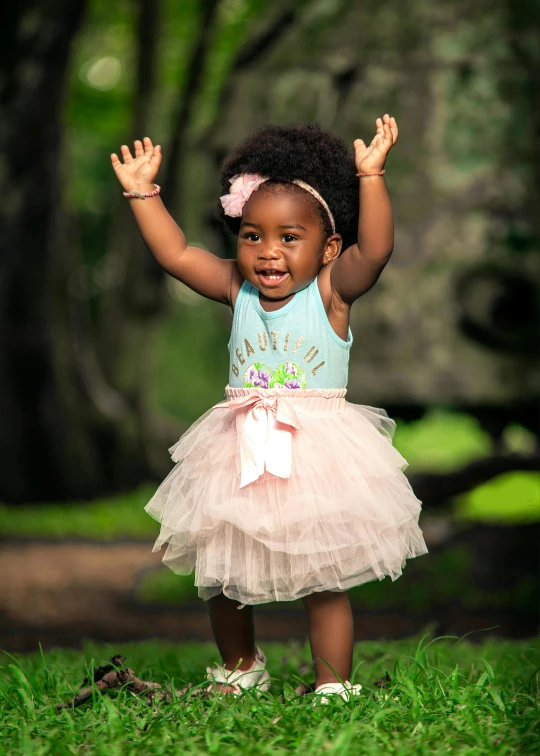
(380, 173)
(133, 194)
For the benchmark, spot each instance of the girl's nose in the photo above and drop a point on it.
(268, 253)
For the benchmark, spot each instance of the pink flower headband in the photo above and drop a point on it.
(244, 184)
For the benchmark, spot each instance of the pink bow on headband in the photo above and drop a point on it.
(242, 187)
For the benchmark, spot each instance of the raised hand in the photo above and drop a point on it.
(370, 159)
(139, 171)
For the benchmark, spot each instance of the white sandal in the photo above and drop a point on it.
(345, 690)
(239, 680)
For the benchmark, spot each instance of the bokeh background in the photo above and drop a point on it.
(105, 360)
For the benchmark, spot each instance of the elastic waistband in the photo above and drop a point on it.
(312, 400)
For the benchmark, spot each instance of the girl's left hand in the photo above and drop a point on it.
(372, 159)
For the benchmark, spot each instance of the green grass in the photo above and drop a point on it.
(446, 695)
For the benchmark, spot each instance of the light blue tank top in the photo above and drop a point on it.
(293, 347)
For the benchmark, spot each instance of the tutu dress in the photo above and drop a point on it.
(286, 488)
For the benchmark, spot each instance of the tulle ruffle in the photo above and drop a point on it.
(345, 516)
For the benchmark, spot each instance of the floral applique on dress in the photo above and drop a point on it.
(287, 374)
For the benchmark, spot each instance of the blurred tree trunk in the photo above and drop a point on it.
(129, 313)
(75, 421)
(38, 433)
(133, 307)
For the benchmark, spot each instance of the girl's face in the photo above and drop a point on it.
(282, 244)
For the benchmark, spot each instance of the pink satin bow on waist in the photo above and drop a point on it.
(265, 425)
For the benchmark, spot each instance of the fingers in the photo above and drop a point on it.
(155, 157)
(387, 129)
(115, 160)
(382, 126)
(360, 148)
(392, 129)
(142, 149)
(148, 147)
(126, 154)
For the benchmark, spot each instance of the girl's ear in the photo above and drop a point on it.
(332, 248)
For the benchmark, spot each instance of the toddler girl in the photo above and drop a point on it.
(285, 490)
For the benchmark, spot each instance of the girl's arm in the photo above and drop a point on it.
(200, 270)
(357, 269)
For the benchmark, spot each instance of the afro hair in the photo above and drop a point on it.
(306, 152)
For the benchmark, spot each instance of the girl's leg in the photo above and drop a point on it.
(330, 634)
(233, 631)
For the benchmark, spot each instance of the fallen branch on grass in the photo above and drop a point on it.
(113, 676)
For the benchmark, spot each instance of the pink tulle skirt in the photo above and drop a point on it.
(336, 511)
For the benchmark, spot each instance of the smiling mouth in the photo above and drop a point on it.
(271, 277)
(272, 273)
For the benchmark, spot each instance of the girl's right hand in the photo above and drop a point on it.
(140, 171)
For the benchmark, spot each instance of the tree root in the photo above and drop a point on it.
(114, 675)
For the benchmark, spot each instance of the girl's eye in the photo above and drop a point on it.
(289, 237)
(251, 235)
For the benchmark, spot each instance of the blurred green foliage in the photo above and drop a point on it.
(512, 498)
(191, 357)
(441, 440)
(98, 113)
(106, 519)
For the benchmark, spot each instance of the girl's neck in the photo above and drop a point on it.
(271, 305)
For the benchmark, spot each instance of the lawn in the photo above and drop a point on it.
(445, 695)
